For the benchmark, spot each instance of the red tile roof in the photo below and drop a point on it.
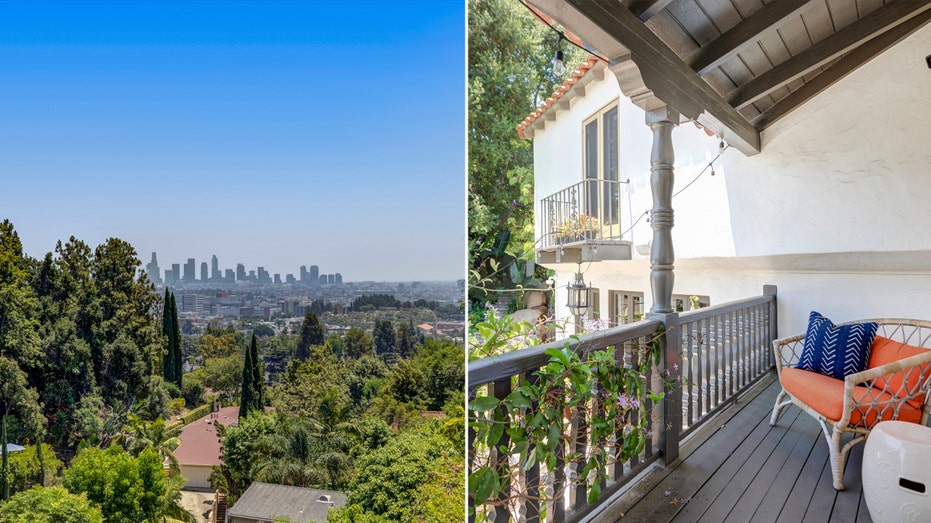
(199, 442)
(573, 78)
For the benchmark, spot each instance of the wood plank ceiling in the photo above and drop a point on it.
(752, 61)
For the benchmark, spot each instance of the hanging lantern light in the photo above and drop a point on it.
(559, 67)
(579, 295)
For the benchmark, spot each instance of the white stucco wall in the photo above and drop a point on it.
(848, 171)
(702, 210)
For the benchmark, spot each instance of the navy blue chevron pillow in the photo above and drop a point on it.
(836, 351)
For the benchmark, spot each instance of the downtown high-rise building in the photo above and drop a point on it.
(240, 272)
(189, 270)
(338, 278)
(229, 276)
(314, 274)
(152, 271)
(304, 275)
(175, 273)
(203, 272)
(214, 268)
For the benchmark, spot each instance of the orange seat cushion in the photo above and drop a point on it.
(825, 395)
(886, 351)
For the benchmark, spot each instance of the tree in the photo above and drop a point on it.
(357, 343)
(16, 397)
(19, 339)
(126, 489)
(383, 334)
(126, 342)
(390, 481)
(168, 330)
(509, 75)
(443, 368)
(404, 341)
(311, 334)
(258, 381)
(247, 394)
(178, 358)
(30, 466)
(49, 505)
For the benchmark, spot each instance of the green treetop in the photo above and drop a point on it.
(311, 334)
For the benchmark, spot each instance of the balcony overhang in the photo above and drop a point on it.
(583, 252)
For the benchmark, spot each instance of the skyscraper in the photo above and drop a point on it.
(339, 278)
(330, 279)
(153, 272)
(175, 273)
(240, 272)
(229, 276)
(277, 279)
(304, 276)
(189, 270)
(214, 268)
(314, 274)
(203, 271)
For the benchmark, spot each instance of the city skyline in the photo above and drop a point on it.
(275, 133)
(214, 272)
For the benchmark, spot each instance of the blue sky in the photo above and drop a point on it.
(275, 134)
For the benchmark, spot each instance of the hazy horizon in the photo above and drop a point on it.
(277, 134)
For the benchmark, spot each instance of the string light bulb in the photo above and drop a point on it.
(559, 66)
(721, 147)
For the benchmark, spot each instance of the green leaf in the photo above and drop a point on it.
(483, 484)
(518, 399)
(594, 492)
(484, 403)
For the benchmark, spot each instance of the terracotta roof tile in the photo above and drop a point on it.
(573, 78)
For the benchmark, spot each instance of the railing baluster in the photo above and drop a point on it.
(559, 483)
(693, 357)
(532, 475)
(500, 389)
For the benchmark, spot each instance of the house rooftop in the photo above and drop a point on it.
(574, 85)
(200, 444)
(265, 501)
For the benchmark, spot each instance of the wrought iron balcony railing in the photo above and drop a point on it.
(588, 210)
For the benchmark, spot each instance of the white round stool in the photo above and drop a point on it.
(897, 472)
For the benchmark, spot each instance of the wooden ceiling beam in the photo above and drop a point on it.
(747, 32)
(883, 19)
(667, 76)
(646, 9)
(840, 69)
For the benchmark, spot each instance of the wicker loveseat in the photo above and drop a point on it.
(894, 386)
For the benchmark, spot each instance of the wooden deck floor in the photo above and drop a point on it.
(740, 469)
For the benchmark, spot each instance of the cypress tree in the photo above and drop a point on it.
(311, 334)
(178, 358)
(257, 381)
(247, 397)
(168, 365)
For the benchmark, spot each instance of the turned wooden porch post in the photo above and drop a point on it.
(662, 256)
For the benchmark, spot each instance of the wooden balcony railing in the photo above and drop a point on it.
(717, 352)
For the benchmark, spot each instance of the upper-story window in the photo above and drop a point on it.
(601, 161)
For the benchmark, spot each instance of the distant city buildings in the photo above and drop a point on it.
(189, 271)
(212, 274)
(153, 272)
